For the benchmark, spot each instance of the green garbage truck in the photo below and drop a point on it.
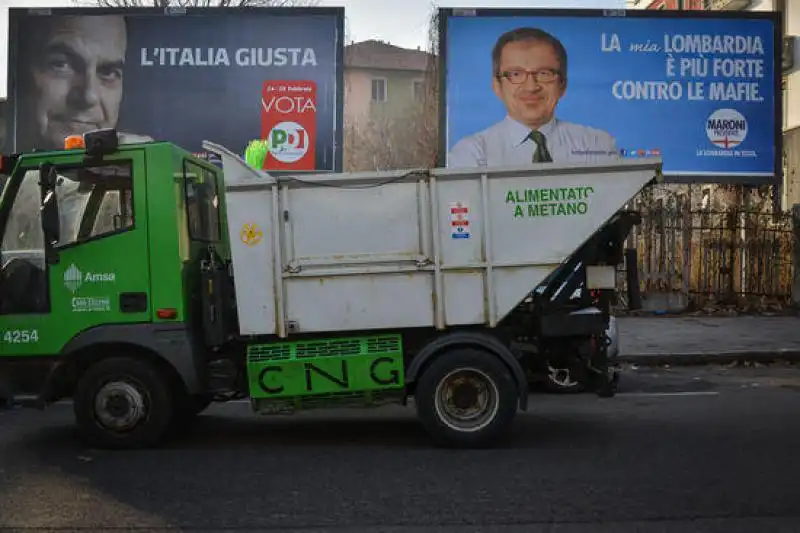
(144, 283)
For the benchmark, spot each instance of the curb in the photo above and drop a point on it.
(705, 358)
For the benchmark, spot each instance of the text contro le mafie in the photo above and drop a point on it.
(221, 57)
(689, 59)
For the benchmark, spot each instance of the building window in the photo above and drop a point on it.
(378, 89)
(418, 90)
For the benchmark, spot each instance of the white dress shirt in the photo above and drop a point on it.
(505, 143)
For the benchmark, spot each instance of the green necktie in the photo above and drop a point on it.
(542, 154)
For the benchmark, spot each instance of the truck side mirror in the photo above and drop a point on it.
(51, 219)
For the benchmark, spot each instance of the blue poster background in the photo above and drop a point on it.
(673, 129)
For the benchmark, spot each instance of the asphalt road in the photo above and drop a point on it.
(683, 450)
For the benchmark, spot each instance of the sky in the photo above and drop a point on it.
(400, 22)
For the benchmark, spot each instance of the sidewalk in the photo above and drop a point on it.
(706, 339)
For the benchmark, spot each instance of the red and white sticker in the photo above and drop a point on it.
(289, 124)
(459, 220)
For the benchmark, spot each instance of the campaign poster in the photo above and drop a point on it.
(184, 76)
(697, 89)
(288, 124)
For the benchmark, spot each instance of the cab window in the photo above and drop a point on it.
(94, 202)
(98, 201)
(202, 202)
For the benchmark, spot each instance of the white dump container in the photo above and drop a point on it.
(404, 249)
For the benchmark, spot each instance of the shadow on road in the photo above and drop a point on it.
(311, 471)
(631, 458)
(571, 458)
(225, 429)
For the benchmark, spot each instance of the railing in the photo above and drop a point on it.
(700, 256)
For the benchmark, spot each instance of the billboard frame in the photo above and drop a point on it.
(16, 14)
(776, 17)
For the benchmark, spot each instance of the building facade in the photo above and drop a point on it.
(388, 107)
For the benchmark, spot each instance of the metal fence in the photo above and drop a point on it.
(719, 256)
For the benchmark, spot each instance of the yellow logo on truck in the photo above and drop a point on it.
(251, 234)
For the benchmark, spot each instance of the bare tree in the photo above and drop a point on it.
(400, 138)
(195, 3)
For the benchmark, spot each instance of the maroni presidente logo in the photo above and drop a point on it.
(74, 278)
(726, 128)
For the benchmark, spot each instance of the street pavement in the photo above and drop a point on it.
(688, 449)
(686, 339)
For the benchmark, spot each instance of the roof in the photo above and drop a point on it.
(375, 54)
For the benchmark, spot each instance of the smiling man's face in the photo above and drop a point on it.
(530, 102)
(77, 77)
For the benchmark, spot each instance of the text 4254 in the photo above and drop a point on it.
(20, 336)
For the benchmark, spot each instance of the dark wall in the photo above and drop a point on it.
(3, 111)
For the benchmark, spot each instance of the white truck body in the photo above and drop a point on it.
(399, 249)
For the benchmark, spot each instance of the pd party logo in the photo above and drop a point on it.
(726, 128)
(288, 142)
(288, 124)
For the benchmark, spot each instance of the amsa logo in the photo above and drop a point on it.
(74, 278)
(726, 128)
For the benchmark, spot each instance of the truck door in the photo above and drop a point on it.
(101, 275)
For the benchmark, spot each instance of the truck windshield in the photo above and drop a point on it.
(93, 200)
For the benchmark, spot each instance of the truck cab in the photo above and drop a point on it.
(102, 247)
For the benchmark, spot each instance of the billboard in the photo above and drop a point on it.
(228, 75)
(701, 90)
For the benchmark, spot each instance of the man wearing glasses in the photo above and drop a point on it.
(530, 76)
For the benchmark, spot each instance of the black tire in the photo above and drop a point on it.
(140, 382)
(502, 391)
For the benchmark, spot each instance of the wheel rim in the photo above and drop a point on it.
(561, 377)
(466, 400)
(119, 406)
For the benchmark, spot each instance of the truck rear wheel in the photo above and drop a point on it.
(466, 398)
(123, 402)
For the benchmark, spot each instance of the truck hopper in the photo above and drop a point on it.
(440, 248)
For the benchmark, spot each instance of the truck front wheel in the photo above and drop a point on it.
(123, 402)
(466, 398)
